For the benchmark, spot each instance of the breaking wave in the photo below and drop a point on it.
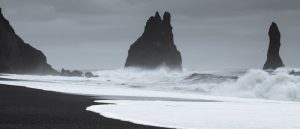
(278, 85)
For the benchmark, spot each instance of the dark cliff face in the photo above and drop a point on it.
(16, 56)
(273, 58)
(156, 46)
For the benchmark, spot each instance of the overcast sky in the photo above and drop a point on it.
(96, 34)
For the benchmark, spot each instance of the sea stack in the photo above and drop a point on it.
(16, 56)
(273, 58)
(156, 46)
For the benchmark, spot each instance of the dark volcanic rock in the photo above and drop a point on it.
(16, 56)
(74, 73)
(90, 74)
(273, 59)
(293, 72)
(156, 46)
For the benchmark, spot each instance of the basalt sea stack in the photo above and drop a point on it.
(273, 59)
(17, 56)
(156, 46)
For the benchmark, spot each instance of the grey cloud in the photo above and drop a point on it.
(98, 33)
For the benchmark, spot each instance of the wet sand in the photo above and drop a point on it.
(25, 108)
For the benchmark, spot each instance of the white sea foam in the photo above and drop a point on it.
(204, 115)
(247, 84)
(274, 96)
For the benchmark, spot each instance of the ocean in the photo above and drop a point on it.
(206, 99)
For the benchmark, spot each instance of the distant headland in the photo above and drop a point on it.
(16, 56)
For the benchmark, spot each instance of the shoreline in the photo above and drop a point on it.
(26, 108)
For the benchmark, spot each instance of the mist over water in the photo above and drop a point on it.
(253, 83)
(238, 98)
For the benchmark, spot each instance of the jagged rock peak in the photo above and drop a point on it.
(156, 46)
(157, 21)
(167, 17)
(273, 58)
(157, 16)
(274, 32)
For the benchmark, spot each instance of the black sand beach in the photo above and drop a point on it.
(25, 108)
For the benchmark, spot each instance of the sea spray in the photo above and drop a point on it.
(277, 85)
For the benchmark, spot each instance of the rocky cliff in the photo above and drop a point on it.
(156, 46)
(16, 56)
(273, 58)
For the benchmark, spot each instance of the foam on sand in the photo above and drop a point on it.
(252, 99)
(204, 115)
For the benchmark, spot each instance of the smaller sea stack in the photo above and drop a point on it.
(156, 46)
(273, 58)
